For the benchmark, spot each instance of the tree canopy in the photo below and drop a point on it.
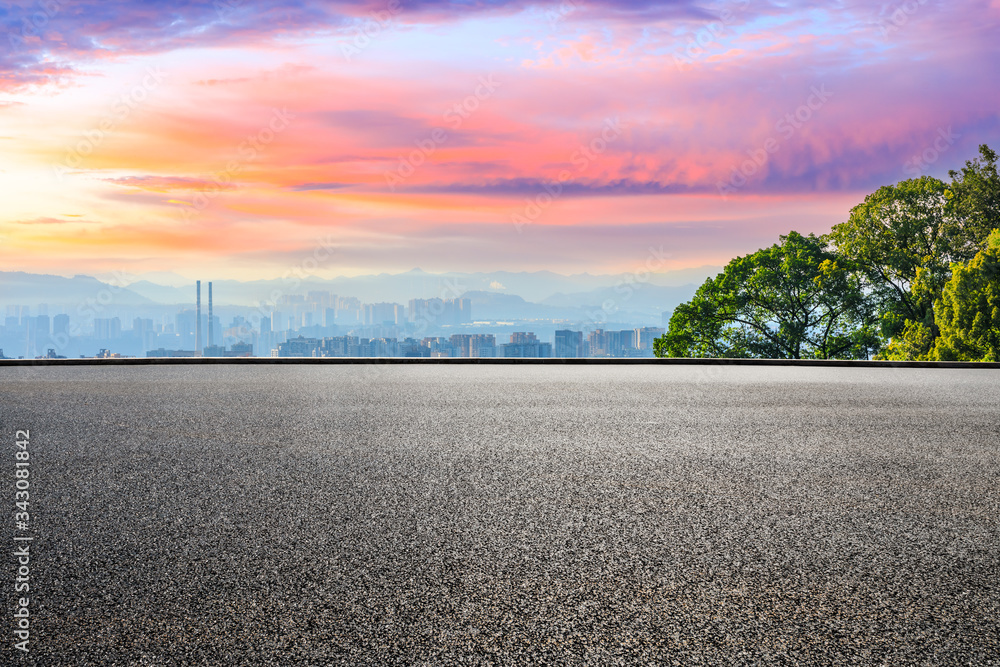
(968, 312)
(914, 273)
(974, 203)
(898, 231)
(793, 300)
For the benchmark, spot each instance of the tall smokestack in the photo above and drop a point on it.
(197, 320)
(209, 314)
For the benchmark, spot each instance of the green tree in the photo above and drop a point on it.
(898, 231)
(793, 300)
(968, 312)
(915, 341)
(974, 204)
(696, 328)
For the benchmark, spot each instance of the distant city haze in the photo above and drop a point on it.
(457, 315)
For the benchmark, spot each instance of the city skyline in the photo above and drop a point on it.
(314, 323)
(378, 136)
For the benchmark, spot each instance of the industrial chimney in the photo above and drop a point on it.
(197, 319)
(210, 343)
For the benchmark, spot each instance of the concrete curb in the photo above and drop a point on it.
(807, 363)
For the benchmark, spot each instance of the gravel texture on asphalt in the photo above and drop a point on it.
(506, 515)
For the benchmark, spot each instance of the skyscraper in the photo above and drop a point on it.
(569, 344)
(60, 325)
(646, 336)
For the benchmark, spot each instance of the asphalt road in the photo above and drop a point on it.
(319, 515)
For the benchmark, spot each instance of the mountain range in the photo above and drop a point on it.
(495, 295)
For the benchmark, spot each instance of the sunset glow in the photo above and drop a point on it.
(494, 135)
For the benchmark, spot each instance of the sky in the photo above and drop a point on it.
(246, 138)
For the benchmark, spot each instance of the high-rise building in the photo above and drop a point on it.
(240, 350)
(483, 346)
(621, 343)
(381, 313)
(30, 337)
(43, 331)
(143, 330)
(601, 343)
(597, 343)
(339, 346)
(321, 299)
(60, 325)
(425, 311)
(646, 336)
(524, 345)
(107, 328)
(349, 311)
(380, 347)
(473, 345)
(299, 347)
(569, 344)
(184, 327)
(439, 312)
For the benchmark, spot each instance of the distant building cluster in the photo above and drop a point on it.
(237, 350)
(601, 343)
(522, 345)
(457, 345)
(440, 311)
(314, 324)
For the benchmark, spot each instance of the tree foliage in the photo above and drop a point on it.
(974, 204)
(899, 231)
(793, 300)
(914, 341)
(968, 312)
(914, 273)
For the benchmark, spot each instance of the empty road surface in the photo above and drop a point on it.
(506, 515)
